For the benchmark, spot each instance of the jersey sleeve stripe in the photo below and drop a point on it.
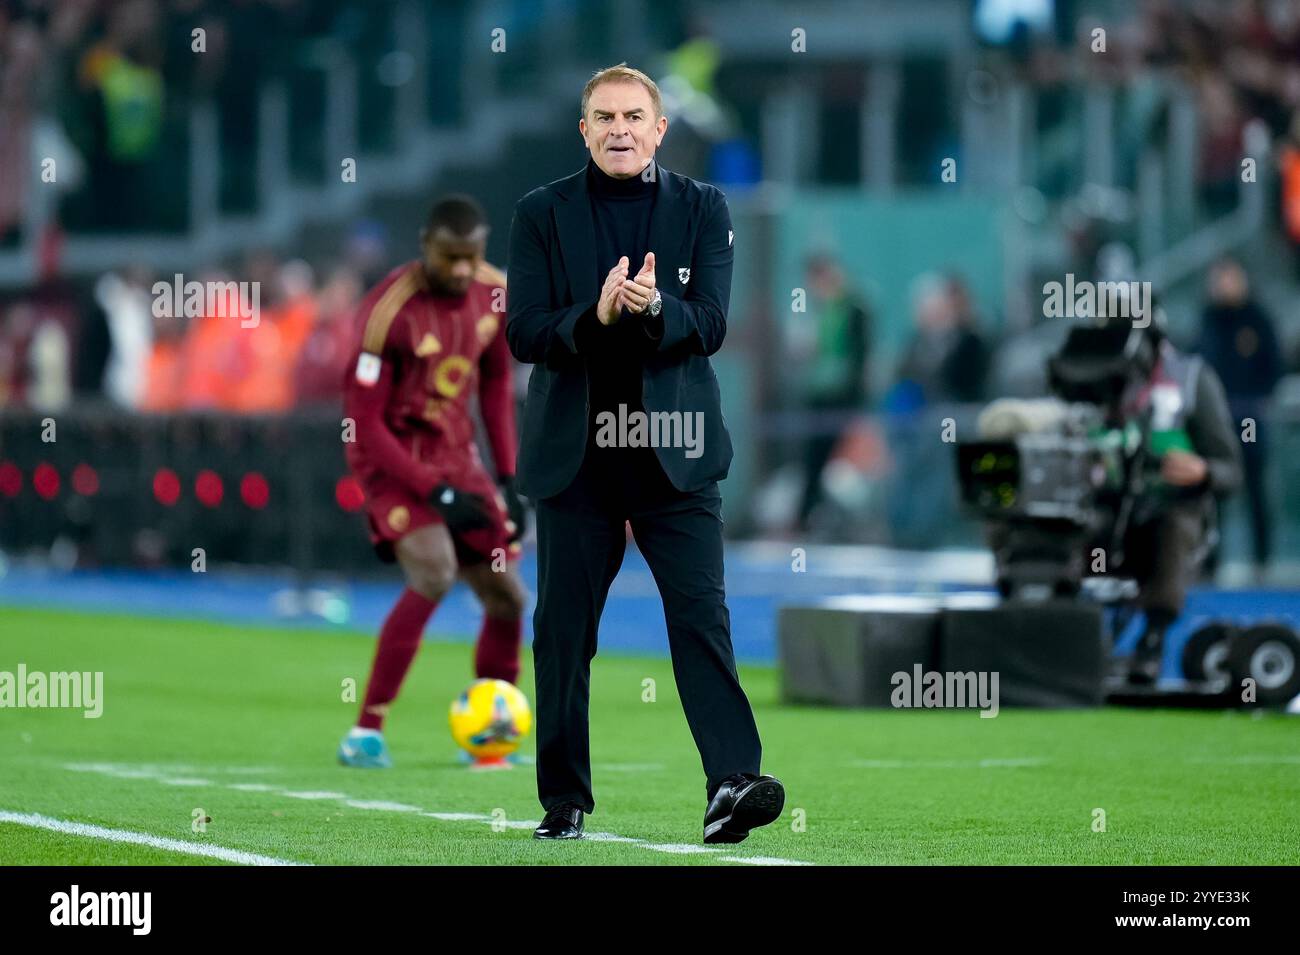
(385, 310)
(489, 274)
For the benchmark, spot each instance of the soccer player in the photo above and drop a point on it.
(431, 335)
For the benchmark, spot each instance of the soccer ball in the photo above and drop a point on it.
(490, 719)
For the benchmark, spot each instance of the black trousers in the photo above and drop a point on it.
(816, 453)
(819, 448)
(580, 544)
(1161, 556)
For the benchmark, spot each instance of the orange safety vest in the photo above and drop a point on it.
(1291, 192)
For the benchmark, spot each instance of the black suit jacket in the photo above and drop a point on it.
(553, 282)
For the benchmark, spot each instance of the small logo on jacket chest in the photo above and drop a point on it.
(683, 275)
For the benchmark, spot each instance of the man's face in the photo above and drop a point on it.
(934, 311)
(1228, 284)
(620, 128)
(825, 281)
(451, 260)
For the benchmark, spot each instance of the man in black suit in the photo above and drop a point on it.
(623, 423)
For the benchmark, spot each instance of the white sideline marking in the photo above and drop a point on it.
(91, 767)
(946, 763)
(121, 770)
(313, 795)
(608, 837)
(246, 770)
(37, 821)
(760, 860)
(109, 769)
(147, 770)
(677, 848)
(183, 781)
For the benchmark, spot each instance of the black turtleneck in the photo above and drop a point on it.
(620, 211)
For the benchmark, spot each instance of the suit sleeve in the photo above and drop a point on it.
(700, 319)
(496, 400)
(534, 330)
(1214, 435)
(365, 404)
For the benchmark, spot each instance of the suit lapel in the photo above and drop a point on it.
(665, 228)
(578, 234)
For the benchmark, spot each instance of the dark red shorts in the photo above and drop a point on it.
(393, 511)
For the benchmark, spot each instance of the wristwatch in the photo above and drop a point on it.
(656, 305)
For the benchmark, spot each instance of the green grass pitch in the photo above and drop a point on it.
(193, 709)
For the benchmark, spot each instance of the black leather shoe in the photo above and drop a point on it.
(1144, 666)
(1144, 672)
(742, 802)
(562, 822)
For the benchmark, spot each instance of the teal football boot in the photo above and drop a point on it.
(364, 749)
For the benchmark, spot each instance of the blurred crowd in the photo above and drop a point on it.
(1239, 59)
(946, 369)
(106, 89)
(121, 79)
(120, 339)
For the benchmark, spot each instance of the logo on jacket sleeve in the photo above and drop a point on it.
(683, 275)
(368, 368)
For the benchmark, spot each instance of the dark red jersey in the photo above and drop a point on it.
(418, 360)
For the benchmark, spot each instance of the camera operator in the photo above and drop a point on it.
(1195, 457)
